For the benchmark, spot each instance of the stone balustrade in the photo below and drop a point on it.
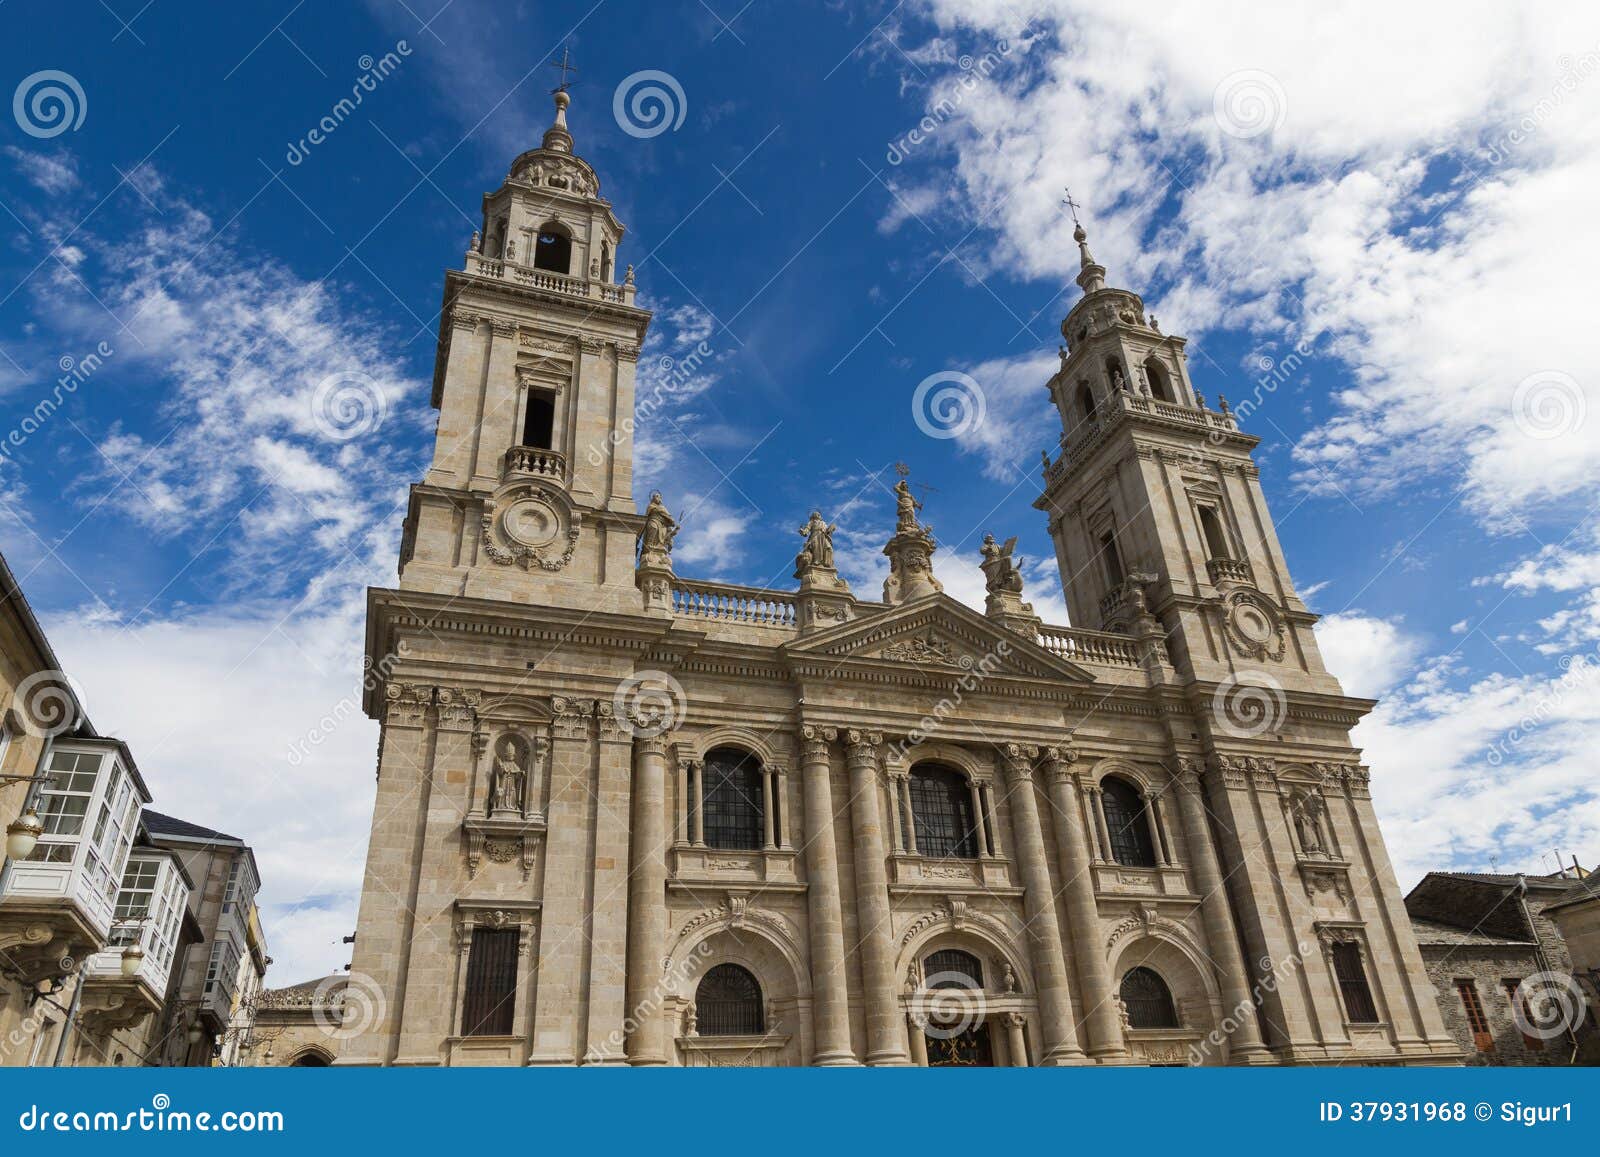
(1113, 413)
(1228, 569)
(544, 279)
(532, 461)
(1090, 646)
(736, 604)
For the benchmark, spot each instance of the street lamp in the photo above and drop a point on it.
(22, 835)
(132, 958)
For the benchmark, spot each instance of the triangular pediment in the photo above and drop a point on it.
(938, 635)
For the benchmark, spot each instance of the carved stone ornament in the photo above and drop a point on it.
(530, 526)
(922, 649)
(1253, 625)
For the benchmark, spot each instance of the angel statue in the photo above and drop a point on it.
(818, 550)
(999, 568)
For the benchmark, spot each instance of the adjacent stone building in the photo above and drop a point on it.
(99, 896)
(626, 816)
(1501, 967)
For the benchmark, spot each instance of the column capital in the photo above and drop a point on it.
(814, 742)
(650, 745)
(1014, 1019)
(863, 746)
(1058, 760)
(457, 707)
(1018, 759)
(573, 718)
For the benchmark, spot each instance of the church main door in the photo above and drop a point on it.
(970, 1049)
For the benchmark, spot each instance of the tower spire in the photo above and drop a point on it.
(1091, 274)
(557, 137)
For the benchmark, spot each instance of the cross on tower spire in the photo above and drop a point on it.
(564, 65)
(1073, 207)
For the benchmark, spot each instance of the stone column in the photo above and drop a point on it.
(607, 934)
(991, 819)
(919, 1041)
(768, 805)
(697, 803)
(904, 803)
(1097, 805)
(1221, 937)
(979, 825)
(830, 995)
(647, 901)
(1102, 1025)
(1158, 829)
(780, 788)
(1039, 906)
(685, 777)
(896, 813)
(1016, 1039)
(886, 1039)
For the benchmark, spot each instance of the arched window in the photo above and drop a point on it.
(732, 797)
(309, 1060)
(952, 968)
(1086, 403)
(605, 261)
(553, 249)
(728, 1003)
(941, 809)
(1160, 384)
(1148, 1000)
(1128, 823)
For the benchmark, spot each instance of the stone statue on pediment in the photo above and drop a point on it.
(906, 508)
(818, 550)
(999, 569)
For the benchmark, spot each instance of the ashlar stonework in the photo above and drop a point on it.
(625, 816)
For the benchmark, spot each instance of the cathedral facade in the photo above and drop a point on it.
(628, 817)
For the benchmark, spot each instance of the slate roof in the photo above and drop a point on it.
(159, 824)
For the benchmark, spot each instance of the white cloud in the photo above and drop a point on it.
(1368, 655)
(53, 173)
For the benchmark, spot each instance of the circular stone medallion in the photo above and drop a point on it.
(531, 522)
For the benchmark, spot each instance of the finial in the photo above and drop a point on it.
(1091, 275)
(558, 137)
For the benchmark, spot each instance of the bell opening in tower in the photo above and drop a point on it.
(553, 250)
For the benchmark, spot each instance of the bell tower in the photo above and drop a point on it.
(1155, 505)
(530, 493)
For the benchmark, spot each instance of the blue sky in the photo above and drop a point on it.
(1404, 238)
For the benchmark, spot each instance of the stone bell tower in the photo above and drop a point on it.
(1155, 505)
(530, 494)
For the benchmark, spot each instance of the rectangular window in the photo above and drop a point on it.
(1519, 1004)
(138, 886)
(1477, 1022)
(1211, 527)
(1111, 558)
(539, 426)
(1352, 977)
(491, 982)
(222, 973)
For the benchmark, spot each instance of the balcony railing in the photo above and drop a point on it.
(532, 462)
(502, 270)
(1119, 408)
(1228, 569)
(735, 604)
